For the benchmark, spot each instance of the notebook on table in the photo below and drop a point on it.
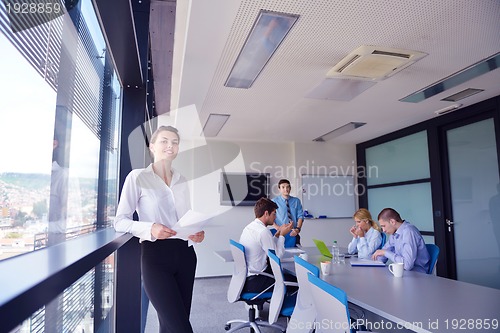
(367, 263)
(290, 252)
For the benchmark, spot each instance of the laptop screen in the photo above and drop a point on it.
(323, 249)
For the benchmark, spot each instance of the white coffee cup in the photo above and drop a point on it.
(325, 267)
(397, 269)
(304, 256)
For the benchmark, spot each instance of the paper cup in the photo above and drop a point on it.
(325, 267)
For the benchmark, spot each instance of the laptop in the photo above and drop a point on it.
(323, 249)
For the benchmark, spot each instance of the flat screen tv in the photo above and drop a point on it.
(243, 189)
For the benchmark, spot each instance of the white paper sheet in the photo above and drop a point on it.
(191, 223)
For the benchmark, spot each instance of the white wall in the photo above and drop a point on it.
(281, 160)
(326, 158)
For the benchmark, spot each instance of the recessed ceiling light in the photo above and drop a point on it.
(267, 33)
(214, 124)
(462, 94)
(339, 131)
(480, 68)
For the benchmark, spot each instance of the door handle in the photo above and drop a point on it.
(449, 223)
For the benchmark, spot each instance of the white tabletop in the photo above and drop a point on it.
(417, 301)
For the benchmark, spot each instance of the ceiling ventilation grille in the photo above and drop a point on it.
(374, 63)
(392, 54)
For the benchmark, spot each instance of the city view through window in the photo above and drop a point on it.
(59, 125)
(32, 176)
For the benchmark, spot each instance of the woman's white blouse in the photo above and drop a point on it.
(365, 246)
(154, 201)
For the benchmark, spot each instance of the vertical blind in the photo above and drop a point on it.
(41, 44)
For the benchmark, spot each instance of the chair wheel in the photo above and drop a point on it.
(227, 327)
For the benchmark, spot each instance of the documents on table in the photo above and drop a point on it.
(294, 250)
(290, 252)
(191, 223)
(366, 262)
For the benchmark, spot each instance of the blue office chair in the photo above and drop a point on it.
(434, 254)
(254, 300)
(289, 240)
(384, 239)
(304, 311)
(282, 301)
(330, 302)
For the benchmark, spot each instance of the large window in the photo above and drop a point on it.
(58, 125)
(59, 117)
(402, 180)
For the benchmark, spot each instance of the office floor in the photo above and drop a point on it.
(211, 310)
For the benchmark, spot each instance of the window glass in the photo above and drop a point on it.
(27, 111)
(83, 174)
(78, 302)
(413, 202)
(475, 196)
(429, 239)
(398, 160)
(59, 117)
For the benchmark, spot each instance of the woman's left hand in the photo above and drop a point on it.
(360, 232)
(198, 237)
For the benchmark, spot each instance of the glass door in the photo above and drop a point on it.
(472, 221)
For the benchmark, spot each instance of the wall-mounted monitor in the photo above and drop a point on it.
(243, 189)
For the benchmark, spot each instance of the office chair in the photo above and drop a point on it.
(289, 240)
(330, 302)
(384, 239)
(434, 254)
(282, 303)
(253, 300)
(304, 311)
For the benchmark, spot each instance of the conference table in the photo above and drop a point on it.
(417, 302)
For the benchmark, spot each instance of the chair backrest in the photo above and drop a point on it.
(289, 240)
(279, 287)
(434, 254)
(330, 302)
(239, 271)
(304, 312)
(384, 239)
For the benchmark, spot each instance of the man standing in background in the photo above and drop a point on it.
(289, 210)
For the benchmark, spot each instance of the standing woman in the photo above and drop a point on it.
(160, 195)
(366, 235)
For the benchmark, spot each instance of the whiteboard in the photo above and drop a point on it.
(330, 195)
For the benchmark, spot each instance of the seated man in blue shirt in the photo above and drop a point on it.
(289, 210)
(405, 243)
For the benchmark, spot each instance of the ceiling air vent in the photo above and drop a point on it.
(374, 63)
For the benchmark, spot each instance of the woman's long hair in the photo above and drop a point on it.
(363, 214)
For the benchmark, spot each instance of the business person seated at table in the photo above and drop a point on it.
(366, 237)
(405, 243)
(257, 240)
(289, 210)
